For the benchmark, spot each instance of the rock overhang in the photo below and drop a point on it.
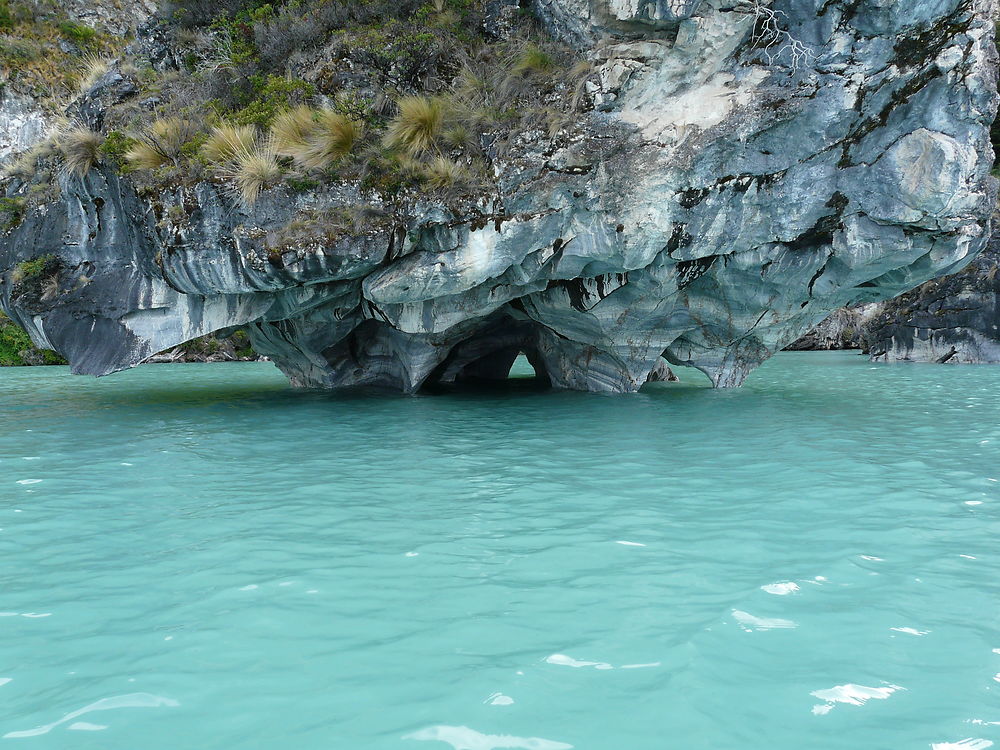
(725, 194)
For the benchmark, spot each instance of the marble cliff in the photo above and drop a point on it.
(737, 170)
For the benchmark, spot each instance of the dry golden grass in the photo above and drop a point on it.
(91, 69)
(441, 173)
(332, 138)
(80, 148)
(26, 164)
(291, 129)
(417, 126)
(253, 170)
(161, 144)
(226, 141)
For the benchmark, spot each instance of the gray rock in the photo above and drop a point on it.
(22, 123)
(111, 88)
(843, 329)
(955, 319)
(737, 182)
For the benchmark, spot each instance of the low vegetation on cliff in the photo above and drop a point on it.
(396, 97)
(396, 101)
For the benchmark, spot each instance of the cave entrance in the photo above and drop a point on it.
(502, 354)
(507, 368)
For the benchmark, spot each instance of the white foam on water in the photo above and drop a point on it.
(630, 544)
(873, 558)
(969, 743)
(568, 661)
(248, 587)
(35, 615)
(83, 726)
(751, 622)
(641, 666)
(973, 502)
(499, 699)
(28, 481)
(781, 589)
(464, 738)
(412, 554)
(132, 700)
(911, 631)
(851, 694)
(968, 557)
(5, 680)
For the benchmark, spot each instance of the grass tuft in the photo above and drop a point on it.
(227, 140)
(417, 126)
(332, 139)
(532, 60)
(161, 144)
(252, 170)
(441, 173)
(91, 70)
(290, 130)
(81, 150)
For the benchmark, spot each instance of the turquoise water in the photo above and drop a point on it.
(196, 556)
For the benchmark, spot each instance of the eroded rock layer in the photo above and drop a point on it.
(741, 170)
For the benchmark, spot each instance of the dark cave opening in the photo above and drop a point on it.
(505, 368)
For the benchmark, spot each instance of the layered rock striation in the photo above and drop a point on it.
(740, 170)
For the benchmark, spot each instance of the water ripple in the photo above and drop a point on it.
(341, 571)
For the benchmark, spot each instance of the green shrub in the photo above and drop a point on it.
(35, 269)
(6, 16)
(15, 345)
(116, 145)
(11, 213)
(272, 95)
(302, 184)
(78, 33)
(13, 341)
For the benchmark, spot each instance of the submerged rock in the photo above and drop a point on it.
(746, 168)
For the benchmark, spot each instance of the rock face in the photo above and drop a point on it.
(746, 169)
(953, 319)
(844, 329)
(22, 124)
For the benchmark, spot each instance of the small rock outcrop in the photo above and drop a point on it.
(843, 329)
(741, 168)
(955, 319)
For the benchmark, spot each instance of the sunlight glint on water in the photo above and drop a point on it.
(196, 556)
